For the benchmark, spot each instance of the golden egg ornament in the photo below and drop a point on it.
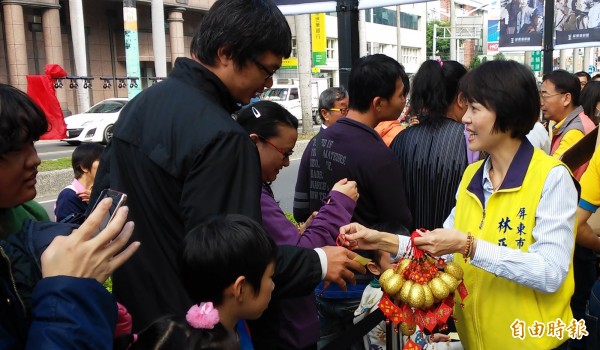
(405, 291)
(402, 266)
(429, 299)
(393, 285)
(454, 270)
(385, 276)
(439, 288)
(408, 329)
(449, 280)
(416, 297)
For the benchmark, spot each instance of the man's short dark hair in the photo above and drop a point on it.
(329, 96)
(509, 89)
(374, 76)
(245, 29)
(565, 82)
(216, 252)
(21, 120)
(588, 77)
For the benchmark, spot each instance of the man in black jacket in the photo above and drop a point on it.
(181, 158)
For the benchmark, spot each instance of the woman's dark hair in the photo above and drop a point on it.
(509, 89)
(434, 88)
(374, 76)
(214, 254)
(565, 82)
(84, 156)
(245, 29)
(171, 332)
(263, 118)
(21, 120)
(590, 95)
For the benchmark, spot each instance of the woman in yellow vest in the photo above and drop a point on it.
(513, 227)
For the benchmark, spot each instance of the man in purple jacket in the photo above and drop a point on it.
(352, 149)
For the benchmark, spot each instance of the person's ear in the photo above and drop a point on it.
(567, 99)
(238, 288)
(373, 268)
(224, 56)
(377, 102)
(324, 113)
(254, 138)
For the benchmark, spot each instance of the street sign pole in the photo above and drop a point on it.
(347, 11)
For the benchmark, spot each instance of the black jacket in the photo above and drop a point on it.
(180, 157)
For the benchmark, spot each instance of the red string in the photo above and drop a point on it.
(416, 252)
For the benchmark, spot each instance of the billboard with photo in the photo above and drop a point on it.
(521, 25)
(577, 23)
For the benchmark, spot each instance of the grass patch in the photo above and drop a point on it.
(55, 164)
(290, 217)
(308, 136)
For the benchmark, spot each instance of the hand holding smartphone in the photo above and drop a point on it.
(118, 200)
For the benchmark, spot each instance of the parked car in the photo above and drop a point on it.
(288, 95)
(94, 125)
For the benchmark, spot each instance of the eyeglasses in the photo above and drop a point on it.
(264, 69)
(545, 96)
(282, 152)
(343, 111)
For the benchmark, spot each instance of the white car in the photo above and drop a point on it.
(96, 124)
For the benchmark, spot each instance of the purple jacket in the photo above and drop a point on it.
(299, 325)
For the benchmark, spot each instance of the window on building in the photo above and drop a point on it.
(384, 16)
(410, 55)
(331, 43)
(294, 48)
(408, 21)
(368, 15)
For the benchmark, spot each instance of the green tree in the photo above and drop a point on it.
(475, 62)
(500, 56)
(442, 45)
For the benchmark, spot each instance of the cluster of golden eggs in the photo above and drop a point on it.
(420, 284)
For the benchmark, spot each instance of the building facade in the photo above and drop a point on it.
(39, 32)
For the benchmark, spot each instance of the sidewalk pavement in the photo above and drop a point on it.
(50, 183)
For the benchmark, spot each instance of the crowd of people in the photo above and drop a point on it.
(216, 264)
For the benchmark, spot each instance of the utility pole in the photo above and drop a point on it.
(398, 36)
(78, 37)
(303, 46)
(548, 38)
(347, 11)
(452, 32)
(132, 50)
(159, 44)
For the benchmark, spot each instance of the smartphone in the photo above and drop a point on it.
(118, 200)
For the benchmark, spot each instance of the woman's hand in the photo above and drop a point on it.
(441, 241)
(356, 236)
(349, 188)
(81, 255)
(307, 223)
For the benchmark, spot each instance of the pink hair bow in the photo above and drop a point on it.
(439, 60)
(204, 315)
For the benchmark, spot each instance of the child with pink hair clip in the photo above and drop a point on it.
(227, 266)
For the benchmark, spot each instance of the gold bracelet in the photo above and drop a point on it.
(468, 246)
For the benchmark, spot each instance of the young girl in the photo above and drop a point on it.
(72, 201)
(273, 129)
(226, 265)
